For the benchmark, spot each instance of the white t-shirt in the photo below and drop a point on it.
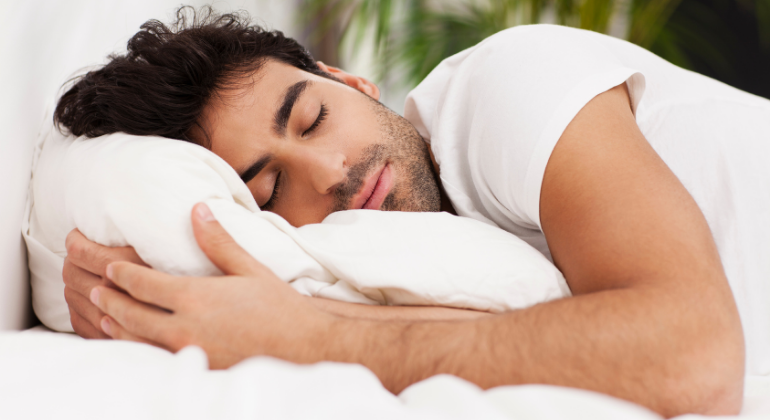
(493, 114)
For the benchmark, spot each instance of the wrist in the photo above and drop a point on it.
(320, 336)
(334, 338)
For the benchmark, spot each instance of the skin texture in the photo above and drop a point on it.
(319, 169)
(652, 319)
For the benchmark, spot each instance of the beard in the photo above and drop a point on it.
(416, 187)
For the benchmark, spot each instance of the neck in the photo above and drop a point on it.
(446, 205)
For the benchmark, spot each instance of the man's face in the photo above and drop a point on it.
(307, 146)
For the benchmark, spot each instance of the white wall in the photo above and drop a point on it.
(42, 42)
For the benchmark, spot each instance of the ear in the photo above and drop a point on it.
(356, 82)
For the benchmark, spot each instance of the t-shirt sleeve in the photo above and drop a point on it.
(502, 110)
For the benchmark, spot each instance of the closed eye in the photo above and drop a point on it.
(274, 196)
(321, 116)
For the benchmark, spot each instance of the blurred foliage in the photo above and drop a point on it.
(728, 40)
(415, 35)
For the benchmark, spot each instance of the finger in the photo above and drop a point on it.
(84, 328)
(147, 285)
(139, 319)
(220, 247)
(119, 333)
(78, 279)
(82, 306)
(93, 257)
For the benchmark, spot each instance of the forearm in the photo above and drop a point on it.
(395, 313)
(610, 342)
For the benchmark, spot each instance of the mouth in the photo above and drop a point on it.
(375, 190)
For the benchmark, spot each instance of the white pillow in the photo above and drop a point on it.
(139, 191)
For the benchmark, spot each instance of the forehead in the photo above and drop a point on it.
(236, 122)
(252, 96)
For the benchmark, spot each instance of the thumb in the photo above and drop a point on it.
(220, 247)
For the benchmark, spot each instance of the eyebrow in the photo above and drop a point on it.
(255, 168)
(293, 93)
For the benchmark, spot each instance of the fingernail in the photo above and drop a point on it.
(95, 296)
(106, 326)
(204, 213)
(109, 271)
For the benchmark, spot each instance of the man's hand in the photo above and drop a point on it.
(249, 312)
(84, 269)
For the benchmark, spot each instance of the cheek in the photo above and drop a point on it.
(300, 207)
(357, 127)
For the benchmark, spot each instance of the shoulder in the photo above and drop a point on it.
(521, 61)
(540, 39)
(541, 30)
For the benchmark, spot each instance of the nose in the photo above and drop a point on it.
(326, 169)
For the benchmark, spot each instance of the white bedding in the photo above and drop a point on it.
(45, 375)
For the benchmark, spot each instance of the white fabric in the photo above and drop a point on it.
(125, 190)
(493, 114)
(61, 376)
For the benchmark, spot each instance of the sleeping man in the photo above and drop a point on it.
(647, 186)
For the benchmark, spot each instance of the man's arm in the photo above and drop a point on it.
(86, 262)
(652, 319)
(395, 313)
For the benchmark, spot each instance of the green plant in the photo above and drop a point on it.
(415, 35)
(728, 40)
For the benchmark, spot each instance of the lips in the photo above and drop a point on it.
(375, 190)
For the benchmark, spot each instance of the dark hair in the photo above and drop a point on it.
(169, 73)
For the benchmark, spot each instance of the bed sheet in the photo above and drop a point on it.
(55, 375)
